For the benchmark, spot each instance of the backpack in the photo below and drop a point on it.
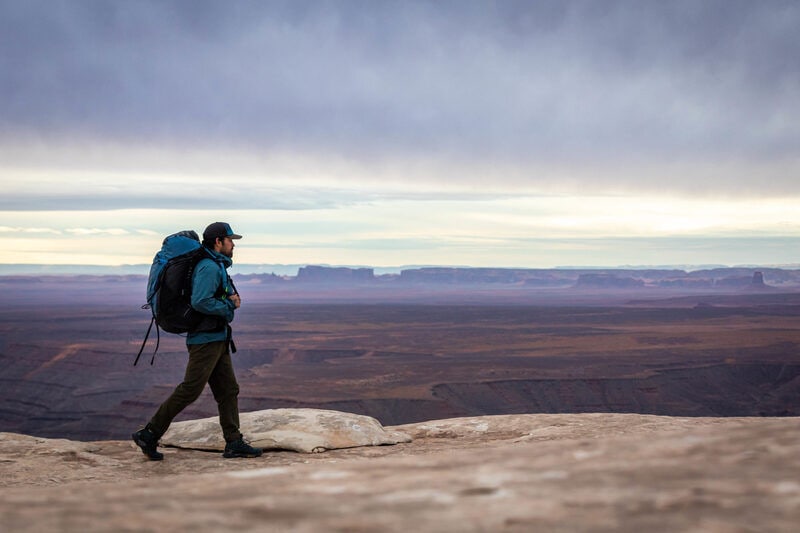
(169, 289)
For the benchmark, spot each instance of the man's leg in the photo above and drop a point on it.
(203, 359)
(226, 392)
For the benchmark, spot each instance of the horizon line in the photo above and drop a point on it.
(293, 268)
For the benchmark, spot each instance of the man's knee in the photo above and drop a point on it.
(225, 393)
(189, 392)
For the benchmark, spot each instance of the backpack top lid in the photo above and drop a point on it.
(187, 233)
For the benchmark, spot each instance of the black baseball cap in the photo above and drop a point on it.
(219, 230)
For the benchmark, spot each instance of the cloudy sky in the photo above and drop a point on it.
(507, 133)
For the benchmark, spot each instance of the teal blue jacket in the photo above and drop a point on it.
(210, 290)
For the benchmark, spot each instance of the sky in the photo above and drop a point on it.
(473, 133)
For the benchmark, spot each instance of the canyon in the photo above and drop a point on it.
(68, 344)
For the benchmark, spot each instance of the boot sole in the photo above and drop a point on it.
(240, 455)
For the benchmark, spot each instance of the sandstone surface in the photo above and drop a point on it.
(299, 430)
(556, 472)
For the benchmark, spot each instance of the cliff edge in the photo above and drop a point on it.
(538, 472)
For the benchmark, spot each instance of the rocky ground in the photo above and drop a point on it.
(565, 472)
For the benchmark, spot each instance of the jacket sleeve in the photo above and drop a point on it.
(208, 276)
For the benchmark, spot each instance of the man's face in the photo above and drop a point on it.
(225, 246)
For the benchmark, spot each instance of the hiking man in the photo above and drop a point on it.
(210, 362)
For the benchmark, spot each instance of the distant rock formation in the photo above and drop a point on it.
(732, 278)
(686, 283)
(546, 280)
(475, 276)
(608, 281)
(271, 278)
(461, 275)
(724, 278)
(755, 281)
(322, 274)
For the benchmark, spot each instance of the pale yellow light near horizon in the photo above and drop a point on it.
(632, 216)
(389, 232)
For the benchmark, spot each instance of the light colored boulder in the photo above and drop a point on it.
(300, 430)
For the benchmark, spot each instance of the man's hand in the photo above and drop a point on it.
(236, 300)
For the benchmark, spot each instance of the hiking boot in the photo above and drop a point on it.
(241, 448)
(147, 441)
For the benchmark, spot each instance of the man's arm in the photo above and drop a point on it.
(207, 279)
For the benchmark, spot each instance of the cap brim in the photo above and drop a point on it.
(234, 236)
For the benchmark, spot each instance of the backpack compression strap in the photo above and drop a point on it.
(158, 341)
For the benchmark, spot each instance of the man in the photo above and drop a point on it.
(209, 351)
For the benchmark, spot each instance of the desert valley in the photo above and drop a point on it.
(407, 352)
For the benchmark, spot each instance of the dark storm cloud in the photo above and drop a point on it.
(512, 81)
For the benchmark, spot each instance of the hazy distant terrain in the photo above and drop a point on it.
(407, 352)
(429, 285)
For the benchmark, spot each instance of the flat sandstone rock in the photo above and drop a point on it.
(300, 430)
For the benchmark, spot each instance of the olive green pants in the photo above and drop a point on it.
(208, 363)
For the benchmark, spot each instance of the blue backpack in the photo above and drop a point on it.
(169, 289)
